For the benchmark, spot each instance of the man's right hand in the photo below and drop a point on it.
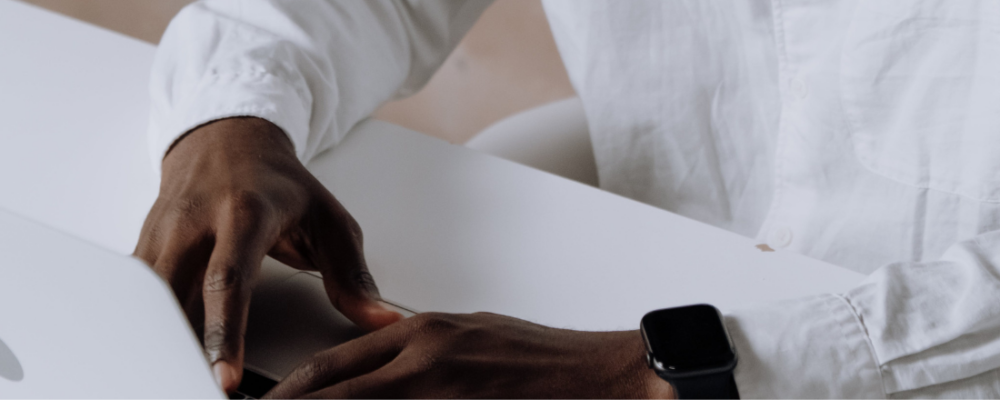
(232, 192)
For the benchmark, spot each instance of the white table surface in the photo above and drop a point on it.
(446, 228)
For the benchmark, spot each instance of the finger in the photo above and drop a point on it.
(349, 360)
(389, 382)
(358, 305)
(182, 265)
(161, 224)
(182, 262)
(291, 255)
(239, 249)
(177, 249)
(341, 260)
(148, 247)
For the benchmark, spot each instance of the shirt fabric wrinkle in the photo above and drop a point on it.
(865, 129)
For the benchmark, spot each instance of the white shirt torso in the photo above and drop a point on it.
(821, 128)
(863, 133)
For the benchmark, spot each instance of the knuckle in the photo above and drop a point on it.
(486, 314)
(150, 243)
(426, 362)
(364, 280)
(186, 208)
(335, 215)
(431, 323)
(473, 334)
(249, 212)
(419, 320)
(248, 203)
(224, 279)
(145, 252)
(354, 227)
(309, 370)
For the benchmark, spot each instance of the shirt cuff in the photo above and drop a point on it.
(219, 96)
(815, 347)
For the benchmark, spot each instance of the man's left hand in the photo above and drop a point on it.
(478, 355)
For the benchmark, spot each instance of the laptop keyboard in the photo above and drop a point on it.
(253, 386)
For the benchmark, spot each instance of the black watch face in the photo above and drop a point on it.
(688, 339)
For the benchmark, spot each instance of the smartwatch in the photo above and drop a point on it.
(690, 348)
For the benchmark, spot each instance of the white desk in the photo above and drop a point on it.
(446, 228)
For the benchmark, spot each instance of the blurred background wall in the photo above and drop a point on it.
(507, 63)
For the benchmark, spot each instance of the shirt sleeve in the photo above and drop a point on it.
(313, 68)
(911, 329)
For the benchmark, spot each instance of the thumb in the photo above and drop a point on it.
(340, 257)
(358, 300)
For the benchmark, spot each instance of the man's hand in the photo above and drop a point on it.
(233, 191)
(478, 356)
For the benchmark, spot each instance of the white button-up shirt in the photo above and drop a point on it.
(863, 133)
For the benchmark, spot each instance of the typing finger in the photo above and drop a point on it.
(340, 258)
(355, 358)
(182, 263)
(245, 234)
(387, 382)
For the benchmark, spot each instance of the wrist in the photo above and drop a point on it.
(646, 384)
(690, 347)
(655, 386)
(232, 142)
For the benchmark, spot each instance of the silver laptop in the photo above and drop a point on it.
(77, 320)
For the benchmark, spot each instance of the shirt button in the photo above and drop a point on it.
(779, 237)
(799, 88)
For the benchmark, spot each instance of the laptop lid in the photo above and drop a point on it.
(77, 320)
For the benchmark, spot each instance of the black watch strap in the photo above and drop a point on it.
(720, 385)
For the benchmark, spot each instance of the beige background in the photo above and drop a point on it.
(507, 63)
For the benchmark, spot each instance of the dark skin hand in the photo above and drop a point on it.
(233, 191)
(478, 355)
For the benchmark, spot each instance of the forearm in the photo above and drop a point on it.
(313, 68)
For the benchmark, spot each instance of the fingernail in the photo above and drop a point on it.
(224, 375)
(377, 317)
(386, 316)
